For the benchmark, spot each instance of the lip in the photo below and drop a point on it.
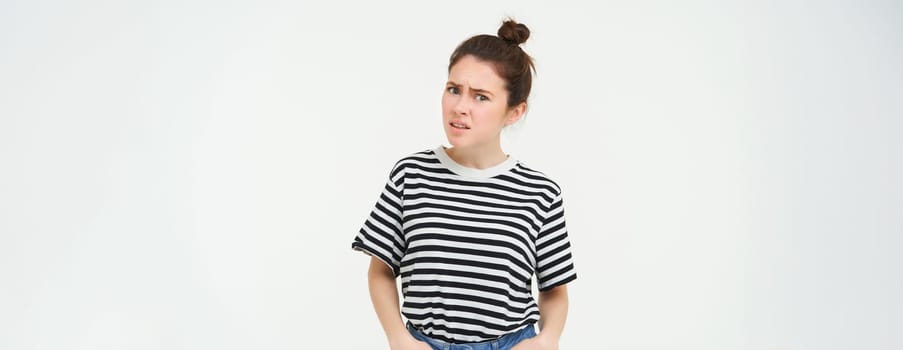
(467, 127)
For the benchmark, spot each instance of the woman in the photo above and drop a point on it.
(466, 227)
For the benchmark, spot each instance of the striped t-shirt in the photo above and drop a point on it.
(466, 243)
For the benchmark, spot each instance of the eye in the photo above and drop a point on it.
(452, 89)
(482, 98)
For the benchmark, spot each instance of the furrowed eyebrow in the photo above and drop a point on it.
(481, 91)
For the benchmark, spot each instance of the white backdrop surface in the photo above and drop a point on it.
(190, 174)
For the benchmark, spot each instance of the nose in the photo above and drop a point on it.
(462, 106)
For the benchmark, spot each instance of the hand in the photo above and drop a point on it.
(537, 343)
(409, 343)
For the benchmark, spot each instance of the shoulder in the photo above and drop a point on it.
(537, 177)
(419, 158)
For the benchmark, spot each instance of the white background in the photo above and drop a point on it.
(190, 174)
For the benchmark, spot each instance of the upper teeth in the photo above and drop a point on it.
(459, 125)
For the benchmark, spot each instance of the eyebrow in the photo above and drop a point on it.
(474, 89)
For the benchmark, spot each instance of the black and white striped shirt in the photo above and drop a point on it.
(466, 243)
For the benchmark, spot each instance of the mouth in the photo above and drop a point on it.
(458, 125)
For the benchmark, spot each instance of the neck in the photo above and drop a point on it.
(480, 156)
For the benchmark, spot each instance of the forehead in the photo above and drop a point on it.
(477, 74)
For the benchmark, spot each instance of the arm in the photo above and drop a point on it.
(384, 295)
(553, 309)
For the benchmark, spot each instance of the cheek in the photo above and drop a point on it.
(447, 103)
(493, 113)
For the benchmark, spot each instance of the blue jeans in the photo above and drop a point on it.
(505, 342)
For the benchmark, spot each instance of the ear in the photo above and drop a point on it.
(515, 113)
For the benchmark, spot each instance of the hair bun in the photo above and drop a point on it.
(513, 32)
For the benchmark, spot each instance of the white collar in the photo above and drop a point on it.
(459, 169)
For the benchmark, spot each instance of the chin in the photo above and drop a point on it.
(453, 142)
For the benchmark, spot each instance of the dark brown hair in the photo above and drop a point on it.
(505, 54)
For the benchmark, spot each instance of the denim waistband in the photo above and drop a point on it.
(492, 344)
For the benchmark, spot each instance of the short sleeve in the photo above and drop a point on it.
(554, 262)
(381, 233)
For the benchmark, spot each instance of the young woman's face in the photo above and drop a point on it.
(475, 97)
